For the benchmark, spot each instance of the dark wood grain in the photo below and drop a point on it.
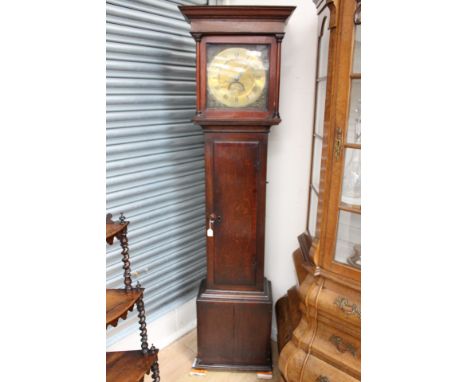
(234, 330)
(288, 316)
(235, 204)
(128, 366)
(234, 304)
(283, 322)
(235, 192)
(119, 302)
(235, 172)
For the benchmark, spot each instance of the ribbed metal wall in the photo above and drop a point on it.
(155, 166)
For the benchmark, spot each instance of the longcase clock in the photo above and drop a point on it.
(238, 81)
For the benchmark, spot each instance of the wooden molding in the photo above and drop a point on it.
(242, 12)
(242, 19)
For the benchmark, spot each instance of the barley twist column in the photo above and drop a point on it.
(142, 322)
(125, 256)
(154, 366)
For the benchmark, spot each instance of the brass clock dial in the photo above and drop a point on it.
(237, 77)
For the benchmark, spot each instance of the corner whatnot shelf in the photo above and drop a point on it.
(131, 365)
(119, 302)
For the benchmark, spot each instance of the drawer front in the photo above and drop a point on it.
(338, 349)
(335, 302)
(317, 370)
(346, 308)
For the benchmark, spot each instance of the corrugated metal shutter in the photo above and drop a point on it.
(155, 163)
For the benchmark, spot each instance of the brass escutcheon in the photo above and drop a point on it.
(338, 143)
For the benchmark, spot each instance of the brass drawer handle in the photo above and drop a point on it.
(346, 307)
(321, 378)
(341, 346)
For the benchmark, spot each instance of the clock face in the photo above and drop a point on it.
(237, 76)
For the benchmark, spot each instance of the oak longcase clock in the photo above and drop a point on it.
(238, 81)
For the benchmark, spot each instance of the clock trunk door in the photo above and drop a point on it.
(236, 199)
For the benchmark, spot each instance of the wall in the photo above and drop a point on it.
(289, 144)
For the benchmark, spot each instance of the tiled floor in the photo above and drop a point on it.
(176, 362)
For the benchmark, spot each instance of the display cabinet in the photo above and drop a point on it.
(334, 210)
(325, 345)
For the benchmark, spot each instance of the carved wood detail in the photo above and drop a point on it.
(324, 335)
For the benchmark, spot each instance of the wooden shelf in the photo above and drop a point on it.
(132, 365)
(128, 366)
(119, 302)
(114, 229)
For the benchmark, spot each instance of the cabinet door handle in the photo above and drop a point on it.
(341, 346)
(347, 308)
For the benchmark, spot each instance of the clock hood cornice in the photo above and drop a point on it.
(280, 13)
(242, 19)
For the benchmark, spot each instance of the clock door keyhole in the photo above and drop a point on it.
(212, 220)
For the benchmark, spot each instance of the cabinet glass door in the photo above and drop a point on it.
(348, 239)
(317, 135)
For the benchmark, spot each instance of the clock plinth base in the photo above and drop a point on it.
(234, 329)
(232, 367)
